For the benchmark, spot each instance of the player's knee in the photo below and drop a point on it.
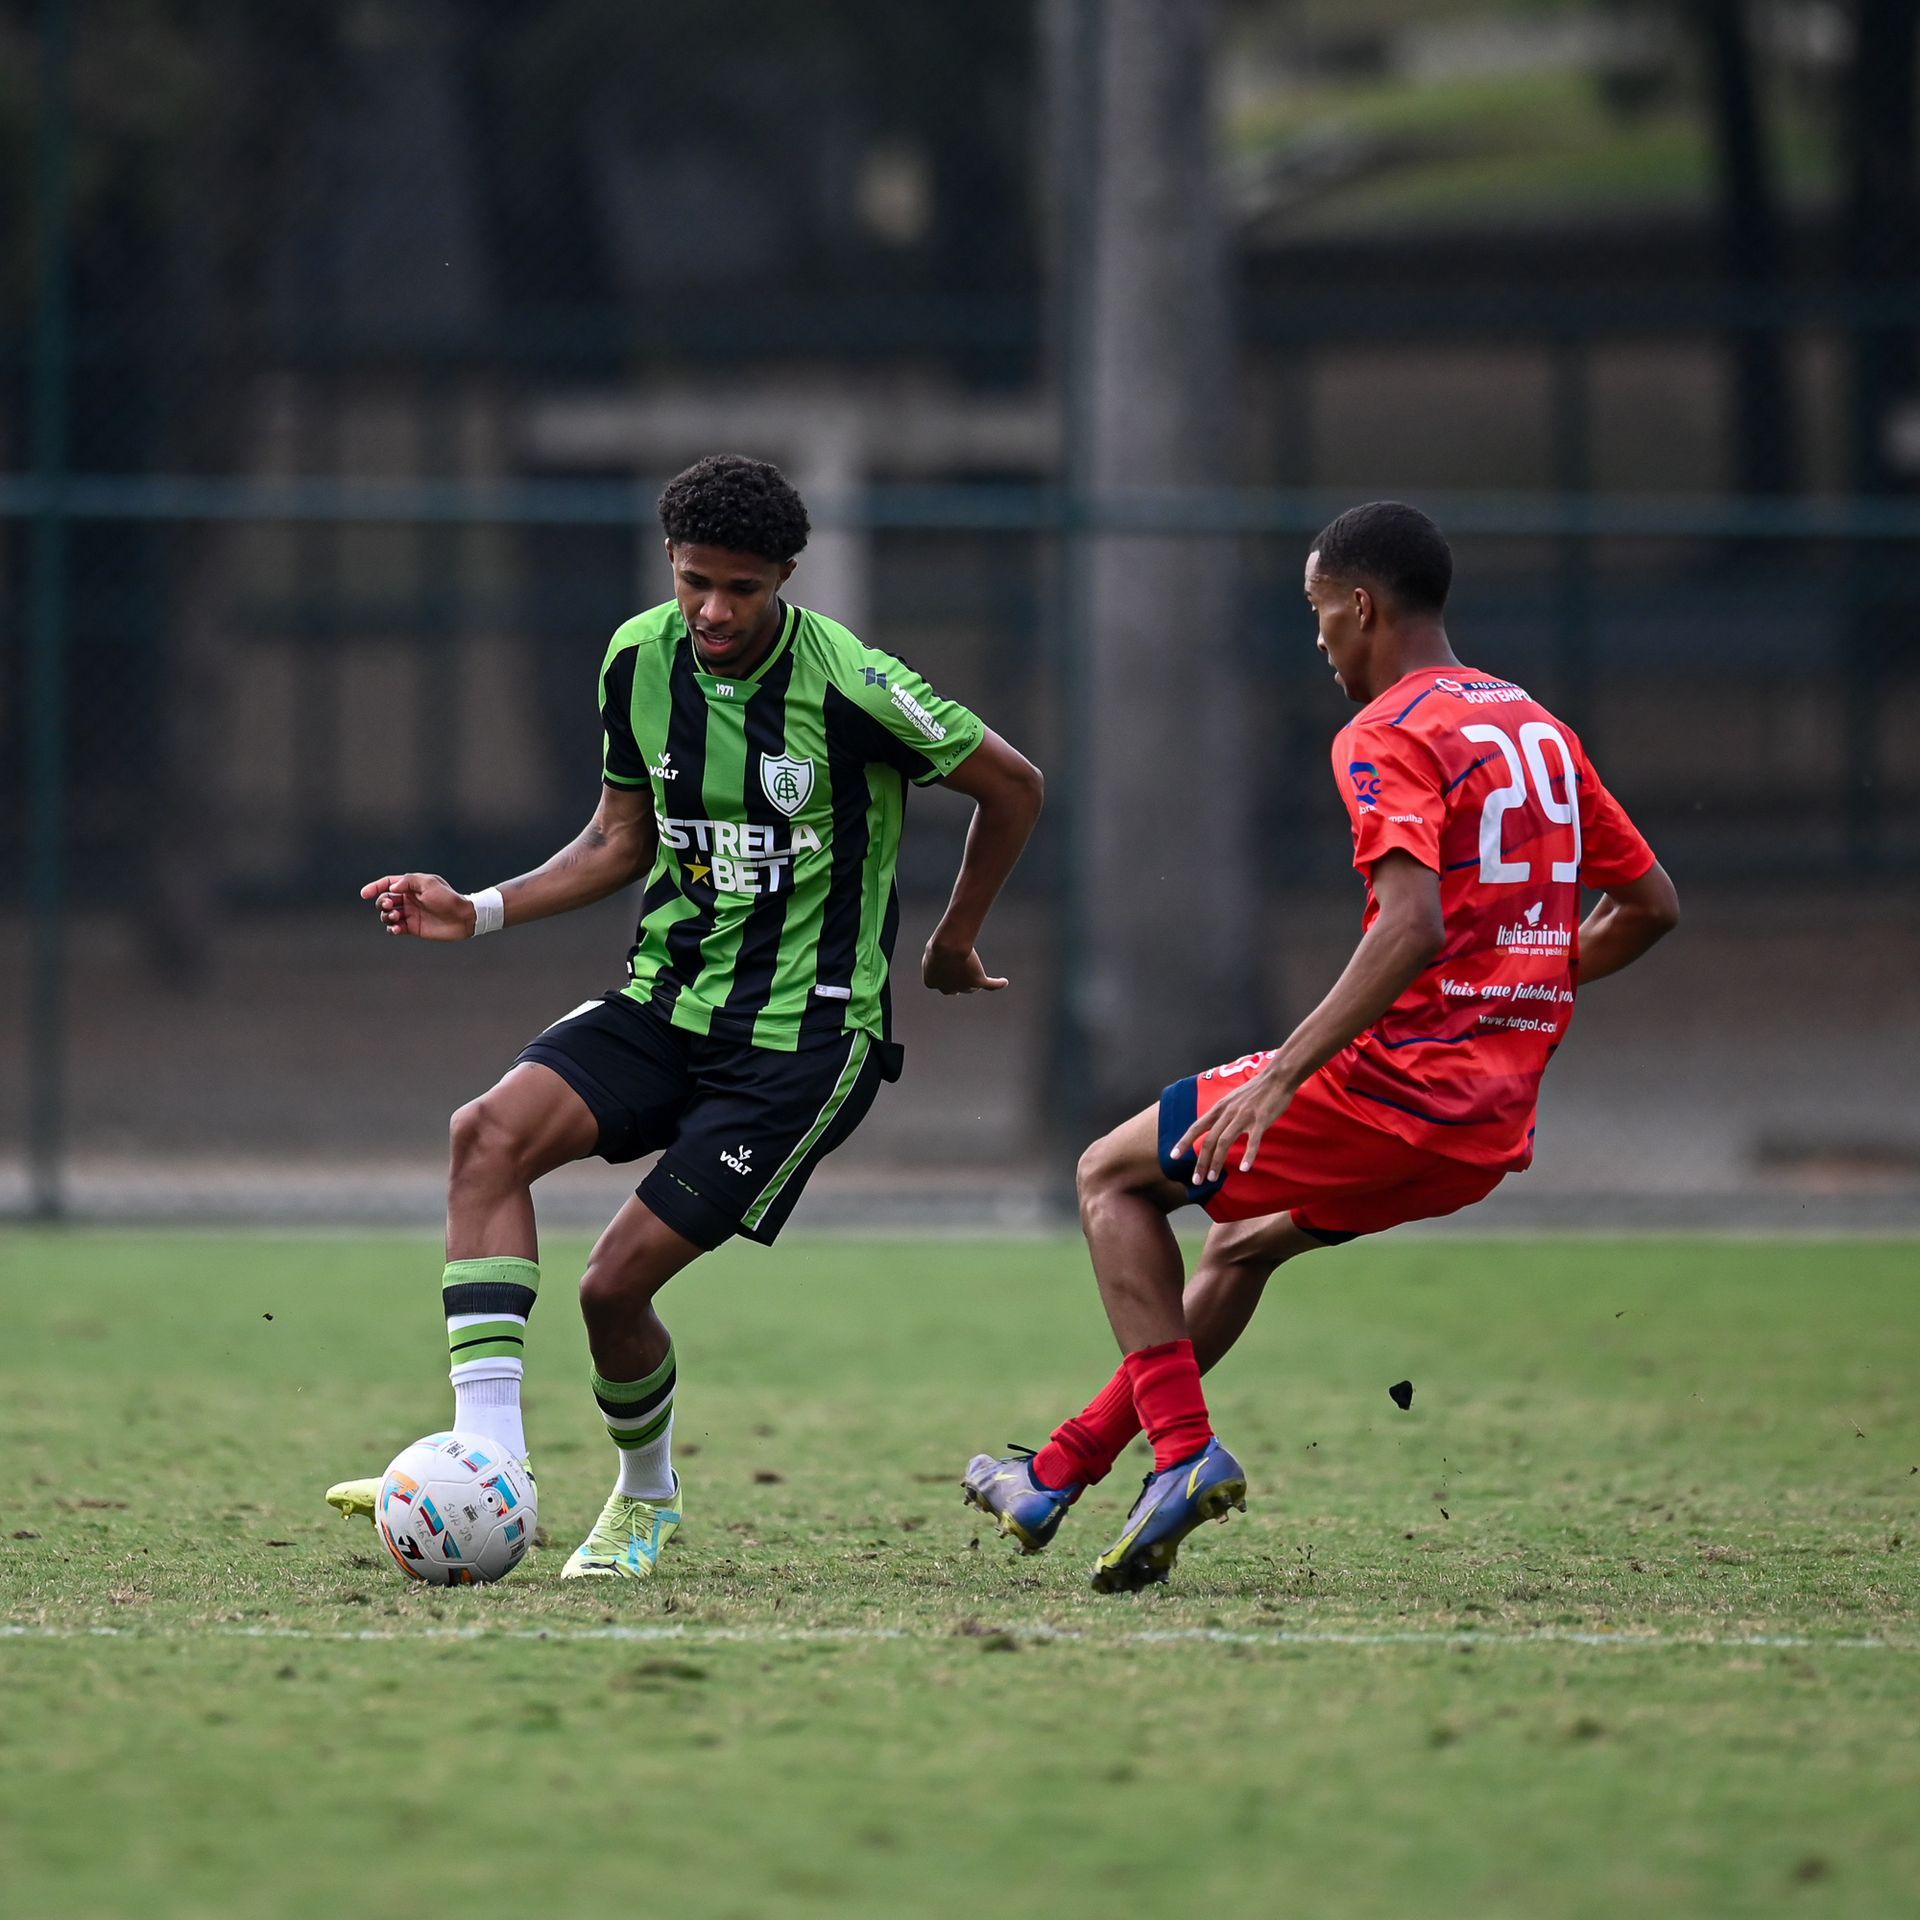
(1090, 1176)
(1106, 1171)
(618, 1279)
(606, 1288)
(480, 1143)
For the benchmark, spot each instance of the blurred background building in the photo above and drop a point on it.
(344, 348)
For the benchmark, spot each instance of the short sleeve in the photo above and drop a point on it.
(1393, 789)
(1612, 851)
(622, 764)
(923, 734)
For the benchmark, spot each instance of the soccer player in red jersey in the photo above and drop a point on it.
(1409, 1092)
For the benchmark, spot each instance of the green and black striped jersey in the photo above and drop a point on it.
(770, 912)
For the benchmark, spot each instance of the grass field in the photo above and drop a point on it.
(1620, 1616)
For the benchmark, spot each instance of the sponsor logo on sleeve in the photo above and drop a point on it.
(921, 718)
(1366, 783)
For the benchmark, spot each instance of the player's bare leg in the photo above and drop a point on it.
(527, 1124)
(634, 1379)
(1240, 1256)
(1124, 1203)
(1125, 1200)
(1029, 1493)
(631, 1261)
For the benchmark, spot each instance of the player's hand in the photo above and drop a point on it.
(956, 970)
(421, 904)
(1247, 1112)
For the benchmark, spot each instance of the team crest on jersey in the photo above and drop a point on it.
(787, 783)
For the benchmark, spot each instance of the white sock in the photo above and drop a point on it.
(646, 1473)
(639, 1417)
(491, 1407)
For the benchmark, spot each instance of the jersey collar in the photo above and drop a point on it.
(742, 685)
(1392, 703)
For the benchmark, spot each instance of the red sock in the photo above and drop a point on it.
(1166, 1391)
(1084, 1448)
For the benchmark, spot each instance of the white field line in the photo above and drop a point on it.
(696, 1636)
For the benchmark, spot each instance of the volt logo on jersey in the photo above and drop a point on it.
(787, 783)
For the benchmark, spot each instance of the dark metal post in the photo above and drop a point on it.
(47, 624)
(1573, 573)
(1076, 242)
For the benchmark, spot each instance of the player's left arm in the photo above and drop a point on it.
(1629, 918)
(1639, 904)
(1407, 934)
(1007, 791)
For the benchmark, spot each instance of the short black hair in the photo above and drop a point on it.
(1393, 545)
(727, 500)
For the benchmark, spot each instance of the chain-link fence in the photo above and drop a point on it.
(343, 352)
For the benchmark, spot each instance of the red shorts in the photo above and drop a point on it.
(1320, 1161)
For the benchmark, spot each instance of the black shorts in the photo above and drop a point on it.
(743, 1126)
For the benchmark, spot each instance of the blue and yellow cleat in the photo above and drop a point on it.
(626, 1540)
(1171, 1504)
(1028, 1513)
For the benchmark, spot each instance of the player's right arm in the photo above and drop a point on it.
(1406, 935)
(611, 851)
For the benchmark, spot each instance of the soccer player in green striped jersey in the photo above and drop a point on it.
(757, 758)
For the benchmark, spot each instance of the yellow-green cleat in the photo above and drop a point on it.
(626, 1540)
(356, 1499)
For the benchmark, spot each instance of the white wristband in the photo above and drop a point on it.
(489, 911)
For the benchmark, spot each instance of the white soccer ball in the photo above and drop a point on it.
(455, 1509)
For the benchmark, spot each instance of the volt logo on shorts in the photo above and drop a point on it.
(740, 1159)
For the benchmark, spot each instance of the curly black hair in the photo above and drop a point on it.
(1393, 545)
(727, 500)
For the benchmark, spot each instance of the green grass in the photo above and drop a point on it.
(1706, 1444)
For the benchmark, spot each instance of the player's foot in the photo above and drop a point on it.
(1024, 1510)
(626, 1540)
(1171, 1504)
(354, 1497)
(358, 1498)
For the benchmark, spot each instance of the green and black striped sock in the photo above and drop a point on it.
(487, 1303)
(639, 1417)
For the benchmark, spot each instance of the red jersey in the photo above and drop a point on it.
(1477, 780)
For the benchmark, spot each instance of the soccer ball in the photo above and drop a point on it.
(455, 1509)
